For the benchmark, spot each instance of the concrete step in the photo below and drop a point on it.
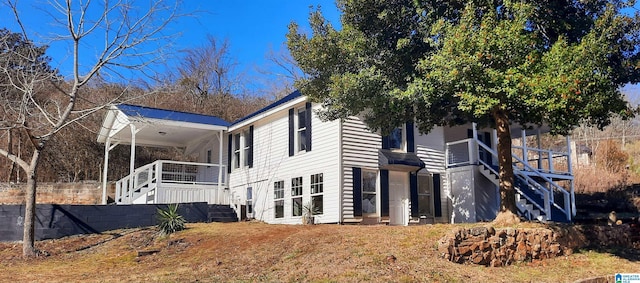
(221, 213)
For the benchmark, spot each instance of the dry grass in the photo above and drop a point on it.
(248, 252)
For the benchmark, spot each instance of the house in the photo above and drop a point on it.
(282, 162)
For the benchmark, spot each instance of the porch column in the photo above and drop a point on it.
(132, 159)
(105, 169)
(474, 155)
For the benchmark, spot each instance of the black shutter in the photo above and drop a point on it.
(469, 133)
(292, 132)
(229, 153)
(250, 142)
(437, 203)
(308, 124)
(384, 192)
(411, 145)
(357, 191)
(413, 191)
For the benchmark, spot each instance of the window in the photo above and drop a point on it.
(247, 147)
(296, 196)
(396, 139)
(242, 149)
(317, 188)
(249, 202)
(236, 151)
(302, 129)
(209, 156)
(369, 192)
(278, 198)
(425, 198)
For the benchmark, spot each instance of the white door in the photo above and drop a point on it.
(398, 198)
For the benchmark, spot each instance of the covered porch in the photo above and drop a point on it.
(167, 181)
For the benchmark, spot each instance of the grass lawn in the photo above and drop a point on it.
(252, 251)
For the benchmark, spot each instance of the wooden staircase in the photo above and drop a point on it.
(534, 191)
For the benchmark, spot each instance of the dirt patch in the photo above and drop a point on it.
(257, 252)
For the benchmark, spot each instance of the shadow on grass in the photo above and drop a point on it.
(595, 208)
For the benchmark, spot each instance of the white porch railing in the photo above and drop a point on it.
(165, 181)
(466, 152)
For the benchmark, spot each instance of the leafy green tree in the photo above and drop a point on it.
(555, 63)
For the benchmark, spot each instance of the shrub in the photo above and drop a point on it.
(169, 220)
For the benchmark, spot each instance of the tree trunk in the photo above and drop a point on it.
(28, 239)
(507, 191)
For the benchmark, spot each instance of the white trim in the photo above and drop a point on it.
(267, 113)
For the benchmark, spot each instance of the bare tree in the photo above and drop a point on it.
(129, 37)
(279, 73)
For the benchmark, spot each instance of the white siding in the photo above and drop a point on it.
(430, 148)
(271, 163)
(359, 149)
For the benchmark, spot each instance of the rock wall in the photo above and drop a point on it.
(490, 247)
(58, 193)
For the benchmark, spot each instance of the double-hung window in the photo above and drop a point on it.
(246, 147)
(278, 199)
(296, 196)
(302, 129)
(241, 153)
(236, 151)
(425, 195)
(317, 188)
(396, 139)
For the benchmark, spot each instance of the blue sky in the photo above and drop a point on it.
(253, 28)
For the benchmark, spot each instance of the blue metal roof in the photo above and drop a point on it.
(156, 113)
(275, 104)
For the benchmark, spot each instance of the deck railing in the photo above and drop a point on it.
(166, 181)
(466, 152)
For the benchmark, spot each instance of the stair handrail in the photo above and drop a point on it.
(128, 193)
(549, 198)
(553, 184)
(546, 208)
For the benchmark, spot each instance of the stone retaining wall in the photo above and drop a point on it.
(490, 247)
(89, 192)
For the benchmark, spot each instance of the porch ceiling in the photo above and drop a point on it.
(158, 127)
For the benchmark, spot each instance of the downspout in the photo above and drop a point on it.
(220, 162)
(341, 173)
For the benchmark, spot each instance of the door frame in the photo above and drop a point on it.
(398, 198)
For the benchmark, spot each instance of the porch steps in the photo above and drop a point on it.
(221, 213)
